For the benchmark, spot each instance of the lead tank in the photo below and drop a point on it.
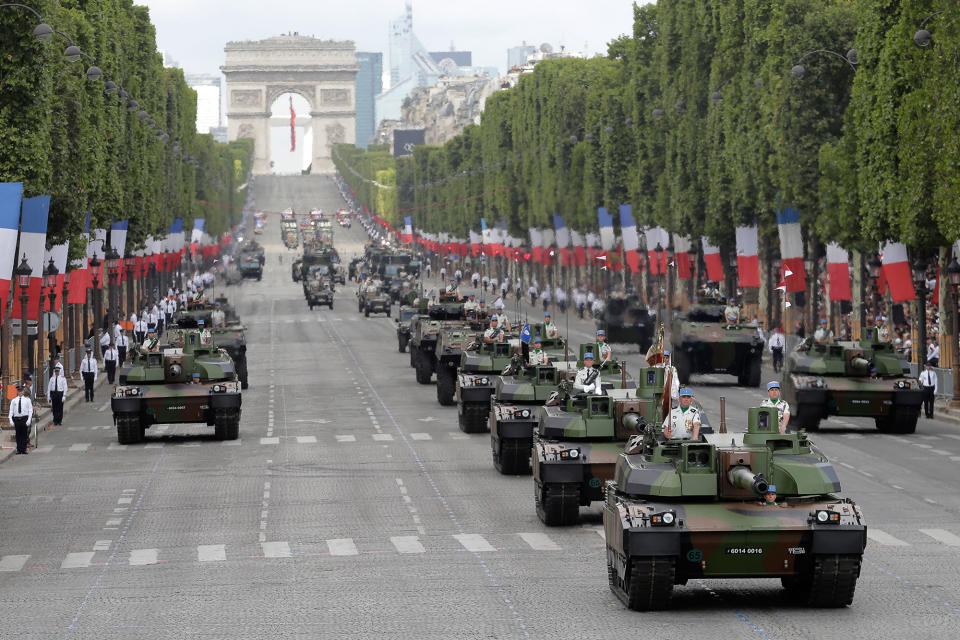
(680, 510)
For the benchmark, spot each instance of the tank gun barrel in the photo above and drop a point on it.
(744, 478)
(860, 364)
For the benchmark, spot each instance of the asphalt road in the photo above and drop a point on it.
(353, 507)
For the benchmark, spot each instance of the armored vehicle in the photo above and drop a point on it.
(475, 383)
(703, 342)
(373, 299)
(231, 337)
(423, 337)
(866, 378)
(250, 266)
(579, 438)
(689, 509)
(405, 323)
(626, 320)
(288, 231)
(160, 388)
(453, 339)
(318, 292)
(296, 270)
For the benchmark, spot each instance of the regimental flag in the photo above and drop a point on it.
(293, 127)
(681, 248)
(631, 241)
(525, 334)
(896, 271)
(33, 239)
(605, 220)
(711, 257)
(657, 237)
(407, 235)
(791, 249)
(838, 272)
(59, 255)
(748, 259)
(10, 195)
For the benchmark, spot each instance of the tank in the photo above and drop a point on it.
(250, 267)
(423, 337)
(158, 388)
(703, 342)
(627, 321)
(822, 380)
(231, 337)
(578, 441)
(691, 509)
(475, 380)
(453, 340)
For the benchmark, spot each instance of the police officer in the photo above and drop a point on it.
(494, 333)
(549, 327)
(140, 330)
(928, 382)
(21, 416)
(773, 400)
(683, 423)
(537, 355)
(123, 344)
(88, 370)
(57, 393)
(604, 350)
(110, 359)
(588, 378)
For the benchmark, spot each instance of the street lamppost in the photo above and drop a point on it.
(23, 273)
(96, 267)
(50, 274)
(851, 58)
(953, 273)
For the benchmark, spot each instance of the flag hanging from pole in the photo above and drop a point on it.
(293, 127)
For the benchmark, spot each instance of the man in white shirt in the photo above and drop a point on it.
(21, 417)
(494, 332)
(773, 400)
(57, 394)
(933, 353)
(549, 327)
(88, 370)
(775, 345)
(123, 345)
(140, 330)
(110, 359)
(536, 355)
(928, 382)
(683, 423)
(588, 378)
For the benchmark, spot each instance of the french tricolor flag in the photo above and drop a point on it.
(748, 260)
(681, 247)
(536, 244)
(33, 241)
(631, 240)
(791, 249)
(407, 235)
(896, 271)
(118, 237)
(563, 240)
(579, 248)
(59, 256)
(605, 221)
(10, 196)
(838, 272)
(79, 281)
(711, 257)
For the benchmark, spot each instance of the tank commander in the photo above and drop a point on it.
(822, 334)
(731, 313)
(470, 307)
(588, 378)
(770, 497)
(537, 355)
(453, 289)
(494, 333)
(151, 344)
(606, 353)
(683, 423)
(774, 400)
(549, 327)
(217, 317)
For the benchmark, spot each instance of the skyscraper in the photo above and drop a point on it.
(517, 56)
(209, 94)
(410, 66)
(369, 84)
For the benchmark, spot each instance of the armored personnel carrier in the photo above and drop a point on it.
(404, 320)
(250, 266)
(161, 388)
(231, 337)
(373, 300)
(703, 342)
(689, 509)
(447, 315)
(579, 438)
(866, 378)
(318, 292)
(627, 321)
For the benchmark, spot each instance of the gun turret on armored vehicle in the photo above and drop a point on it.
(189, 380)
(690, 509)
(703, 342)
(231, 337)
(866, 378)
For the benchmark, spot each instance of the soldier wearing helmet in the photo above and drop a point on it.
(773, 400)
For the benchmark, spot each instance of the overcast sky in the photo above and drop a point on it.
(193, 32)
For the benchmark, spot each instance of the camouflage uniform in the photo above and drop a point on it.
(537, 356)
(604, 352)
(681, 422)
(551, 330)
(780, 405)
(732, 314)
(586, 377)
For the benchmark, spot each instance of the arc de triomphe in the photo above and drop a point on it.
(322, 71)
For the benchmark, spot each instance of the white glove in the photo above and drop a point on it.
(589, 388)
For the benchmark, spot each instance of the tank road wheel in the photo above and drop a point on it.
(832, 580)
(473, 417)
(129, 430)
(227, 424)
(402, 341)
(898, 422)
(513, 458)
(558, 504)
(424, 370)
(649, 585)
(446, 386)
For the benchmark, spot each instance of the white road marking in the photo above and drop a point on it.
(539, 541)
(944, 536)
(274, 440)
(954, 458)
(427, 419)
(921, 445)
(941, 452)
(114, 522)
(77, 560)
(382, 436)
(343, 438)
(421, 436)
(13, 563)
(211, 553)
(459, 436)
(102, 545)
(124, 500)
(306, 439)
(951, 435)
(407, 544)
(473, 542)
(276, 549)
(80, 446)
(45, 449)
(153, 445)
(142, 557)
(342, 547)
(884, 538)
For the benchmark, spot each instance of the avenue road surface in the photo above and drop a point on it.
(353, 507)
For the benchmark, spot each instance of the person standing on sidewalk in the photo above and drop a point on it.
(928, 382)
(140, 330)
(21, 415)
(88, 370)
(110, 359)
(57, 394)
(123, 344)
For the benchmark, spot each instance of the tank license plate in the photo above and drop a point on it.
(745, 551)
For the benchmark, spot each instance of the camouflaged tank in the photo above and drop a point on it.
(578, 441)
(822, 380)
(703, 342)
(250, 266)
(424, 332)
(691, 509)
(627, 321)
(453, 340)
(231, 338)
(158, 388)
(405, 324)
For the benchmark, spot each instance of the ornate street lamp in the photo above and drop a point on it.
(114, 264)
(50, 274)
(953, 273)
(922, 37)
(851, 58)
(96, 268)
(23, 273)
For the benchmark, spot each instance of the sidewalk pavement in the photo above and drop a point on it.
(45, 418)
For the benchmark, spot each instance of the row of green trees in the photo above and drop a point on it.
(64, 135)
(698, 122)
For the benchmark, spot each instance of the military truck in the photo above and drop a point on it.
(627, 321)
(404, 321)
(703, 342)
(692, 509)
(866, 378)
(373, 300)
(318, 292)
(231, 337)
(160, 388)
(579, 437)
